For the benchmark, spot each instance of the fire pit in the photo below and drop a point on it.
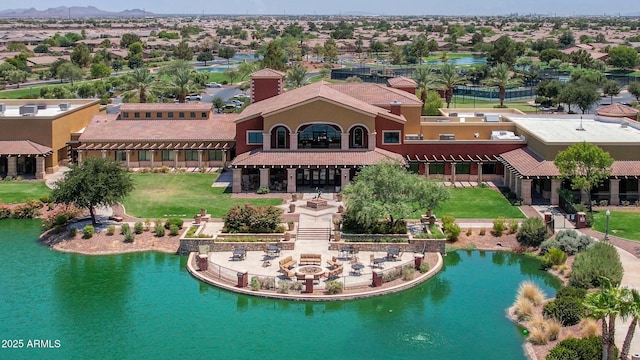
(315, 270)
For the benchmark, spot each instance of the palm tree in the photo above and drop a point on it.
(182, 83)
(448, 79)
(424, 77)
(297, 77)
(606, 305)
(632, 309)
(501, 77)
(246, 68)
(140, 79)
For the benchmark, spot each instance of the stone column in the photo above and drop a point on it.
(12, 166)
(175, 159)
(127, 154)
(344, 141)
(555, 194)
(517, 186)
(104, 153)
(506, 177)
(200, 158)
(224, 159)
(40, 170)
(291, 180)
(526, 191)
(479, 173)
(264, 177)
(372, 141)
(266, 141)
(426, 170)
(614, 191)
(80, 156)
(344, 177)
(453, 173)
(152, 153)
(293, 141)
(236, 185)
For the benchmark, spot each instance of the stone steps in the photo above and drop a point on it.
(316, 234)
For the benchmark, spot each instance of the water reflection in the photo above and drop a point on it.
(497, 257)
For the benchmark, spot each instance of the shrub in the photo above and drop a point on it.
(538, 336)
(452, 231)
(61, 215)
(28, 210)
(88, 231)
(554, 257)
(513, 226)
(268, 283)
(253, 219)
(147, 224)
(532, 232)
(570, 291)
(284, 286)
(469, 232)
(408, 273)
(577, 349)
(46, 199)
(523, 308)
(561, 353)
(111, 229)
(263, 190)
(569, 241)
(589, 327)
(138, 228)
(482, 232)
(568, 310)
(73, 231)
(498, 226)
(553, 327)
(159, 229)
(255, 283)
(5, 212)
(125, 229)
(589, 267)
(424, 267)
(173, 230)
(174, 221)
(530, 291)
(334, 287)
(447, 219)
(129, 237)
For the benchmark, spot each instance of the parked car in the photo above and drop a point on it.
(214, 85)
(193, 97)
(241, 97)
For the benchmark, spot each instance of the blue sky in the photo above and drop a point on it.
(378, 7)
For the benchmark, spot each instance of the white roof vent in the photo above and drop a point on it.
(64, 106)
(28, 110)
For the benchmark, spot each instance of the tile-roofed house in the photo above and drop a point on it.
(617, 110)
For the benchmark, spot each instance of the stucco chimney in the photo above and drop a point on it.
(395, 107)
(266, 83)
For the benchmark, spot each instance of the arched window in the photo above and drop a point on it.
(319, 136)
(280, 138)
(358, 138)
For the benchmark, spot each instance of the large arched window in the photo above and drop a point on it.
(358, 138)
(280, 138)
(319, 137)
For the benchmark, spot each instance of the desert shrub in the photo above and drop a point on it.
(424, 267)
(570, 291)
(482, 232)
(147, 224)
(88, 231)
(159, 229)
(111, 229)
(46, 199)
(538, 336)
(569, 241)
(253, 219)
(498, 226)
(125, 229)
(513, 226)
(263, 190)
(568, 310)
(129, 237)
(255, 283)
(554, 257)
(173, 221)
(73, 231)
(28, 210)
(268, 283)
(600, 261)
(61, 215)
(578, 349)
(532, 232)
(5, 212)
(530, 291)
(138, 228)
(334, 287)
(469, 232)
(447, 219)
(408, 273)
(284, 286)
(553, 328)
(452, 231)
(173, 230)
(589, 327)
(523, 309)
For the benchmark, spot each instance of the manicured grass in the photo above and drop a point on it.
(24, 91)
(468, 102)
(478, 203)
(623, 224)
(182, 195)
(13, 192)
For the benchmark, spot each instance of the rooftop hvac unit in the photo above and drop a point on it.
(447, 136)
(453, 114)
(42, 106)
(492, 118)
(3, 108)
(64, 106)
(479, 114)
(28, 110)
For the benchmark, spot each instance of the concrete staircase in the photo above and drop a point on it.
(315, 234)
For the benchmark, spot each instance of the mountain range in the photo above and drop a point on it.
(71, 12)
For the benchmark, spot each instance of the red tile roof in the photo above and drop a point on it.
(316, 91)
(108, 128)
(23, 147)
(314, 158)
(377, 94)
(617, 110)
(189, 106)
(402, 81)
(268, 73)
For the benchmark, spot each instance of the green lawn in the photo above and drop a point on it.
(13, 192)
(623, 224)
(468, 102)
(21, 93)
(182, 195)
(478, 203)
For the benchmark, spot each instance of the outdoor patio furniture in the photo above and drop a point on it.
(357, 268)
(239, 254)
(376, 262)
(310, 259)
(393, 253)
(347, 252)
(287, 262)
(273, 251)
(335, 272)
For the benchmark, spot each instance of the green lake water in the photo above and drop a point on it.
(145, 305)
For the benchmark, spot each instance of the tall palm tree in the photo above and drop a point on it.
(606, 305)
(448, 79)
(631, 309)
(501, 77)
(140, 79)
(182, 79)
(425, 78)
(247, 68)
(296, 77)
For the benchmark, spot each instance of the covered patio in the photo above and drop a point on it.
(23, 158)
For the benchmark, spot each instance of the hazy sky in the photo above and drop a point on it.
(378, 7)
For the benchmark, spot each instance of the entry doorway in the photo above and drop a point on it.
(317, 177)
